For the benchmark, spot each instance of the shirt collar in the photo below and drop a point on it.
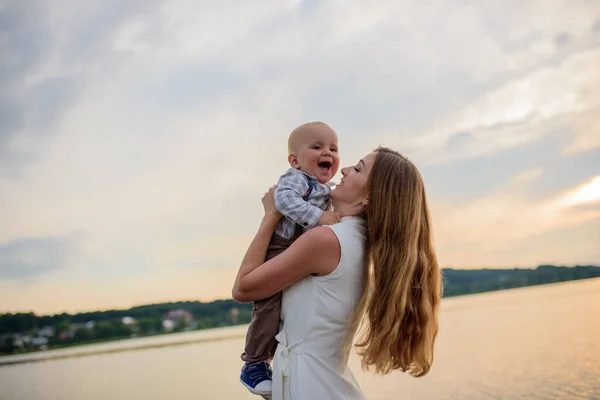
(312, 178)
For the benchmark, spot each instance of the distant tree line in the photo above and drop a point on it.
(461, 281)
(148, 317)
(70, 329)
(24, 332)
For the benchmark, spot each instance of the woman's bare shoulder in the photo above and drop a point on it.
(320, 248)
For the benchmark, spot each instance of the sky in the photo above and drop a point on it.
(137, 138)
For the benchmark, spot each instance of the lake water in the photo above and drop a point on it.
(531, 343)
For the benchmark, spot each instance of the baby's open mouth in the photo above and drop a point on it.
(325, 166)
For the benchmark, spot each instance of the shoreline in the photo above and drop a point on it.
(205, 336)
(81, 351)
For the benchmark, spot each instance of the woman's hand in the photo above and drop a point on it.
(268, 201)
(315, 252)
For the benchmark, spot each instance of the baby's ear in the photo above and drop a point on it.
(293, 160)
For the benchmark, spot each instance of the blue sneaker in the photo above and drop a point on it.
(257, 377)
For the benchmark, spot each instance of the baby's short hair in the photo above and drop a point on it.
(297, 132)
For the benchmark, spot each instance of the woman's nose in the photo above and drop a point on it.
(345, 171)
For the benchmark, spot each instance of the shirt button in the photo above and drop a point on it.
(305, 224)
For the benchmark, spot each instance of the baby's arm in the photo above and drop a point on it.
(291, 188)
(329, 218)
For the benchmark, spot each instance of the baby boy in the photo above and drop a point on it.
(302, 197)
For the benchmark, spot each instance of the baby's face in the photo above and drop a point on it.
(317, 153)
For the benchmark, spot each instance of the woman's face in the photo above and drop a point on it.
(353, 186)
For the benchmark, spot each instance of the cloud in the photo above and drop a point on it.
(154, 128)
(587, 192)
(529, 175)
(459, 141)
(49, 54)
(585, 133)
(499, 221)
(562, 39)
(29, 257)
(524, 110)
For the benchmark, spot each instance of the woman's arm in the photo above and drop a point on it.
(315, 252)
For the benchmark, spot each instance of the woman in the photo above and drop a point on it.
(374, 273)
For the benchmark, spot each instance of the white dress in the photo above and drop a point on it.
(309, 363)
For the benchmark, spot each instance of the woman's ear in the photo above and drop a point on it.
(365, 201)
(293, 160)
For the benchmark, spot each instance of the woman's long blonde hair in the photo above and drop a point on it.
(397, 317)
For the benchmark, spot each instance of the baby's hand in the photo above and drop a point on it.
(329, 218)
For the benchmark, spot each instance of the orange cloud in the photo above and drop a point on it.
(500, 221)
